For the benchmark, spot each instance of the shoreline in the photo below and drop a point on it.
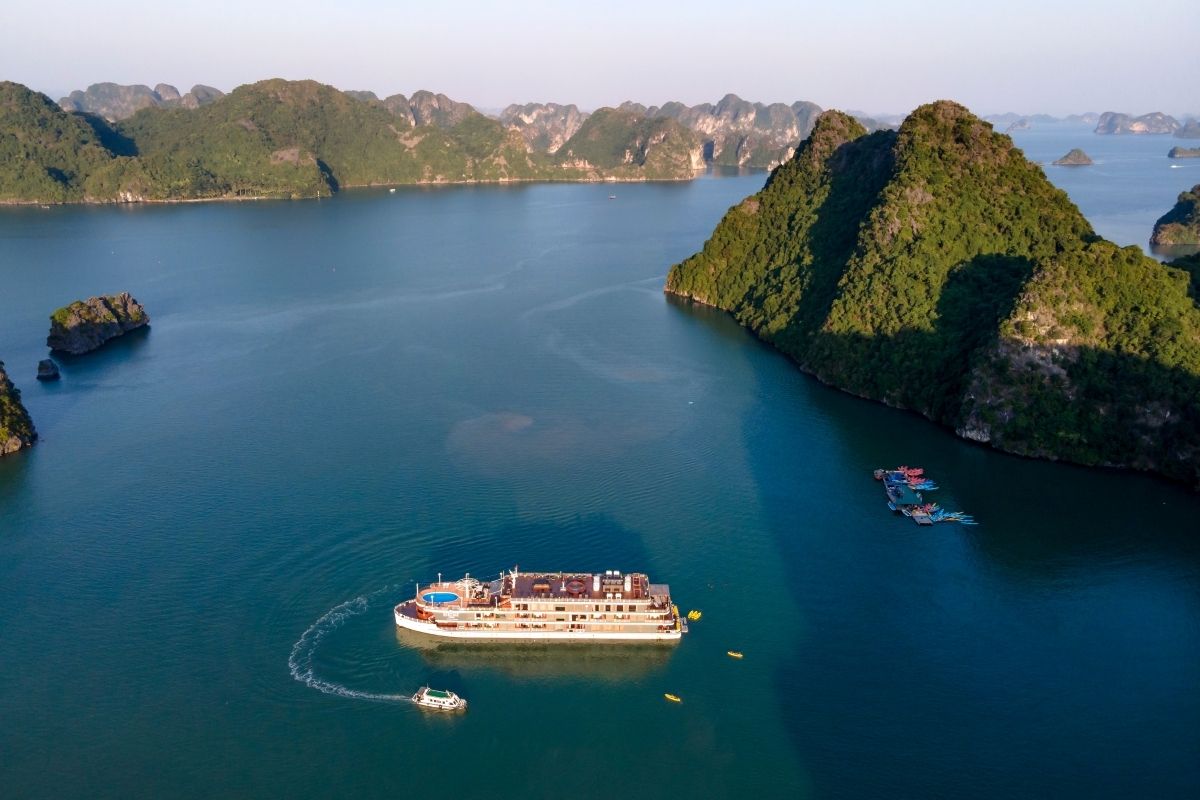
(382, 185)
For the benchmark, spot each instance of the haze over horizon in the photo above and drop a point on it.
(1027, 56)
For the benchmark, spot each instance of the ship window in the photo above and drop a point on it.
(560, 608)
(620, 608)
(608, 608)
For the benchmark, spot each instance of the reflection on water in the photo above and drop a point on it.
(533, 660)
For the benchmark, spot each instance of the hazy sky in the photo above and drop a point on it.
(1056, 56)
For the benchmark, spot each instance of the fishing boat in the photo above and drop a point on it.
(674, 698)
(734, 654)
(439, 699)
(537, 606)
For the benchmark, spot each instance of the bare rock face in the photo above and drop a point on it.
(16, 429)
(438, 109)
(166, 92)
(85, 325)
(545, 127)
(738, 133)
(200, 95)
(47, 370)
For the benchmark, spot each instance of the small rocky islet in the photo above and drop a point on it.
(77, 328)
(1184, 152)
(1075, 158)
(84, 325)
(47, 370)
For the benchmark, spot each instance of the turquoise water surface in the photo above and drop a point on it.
(337, 399)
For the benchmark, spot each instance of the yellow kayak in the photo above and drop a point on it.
(733, 654)
(673, 698)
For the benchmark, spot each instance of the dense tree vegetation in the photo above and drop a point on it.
(936, 269)
(16, 429)
(1180, 225)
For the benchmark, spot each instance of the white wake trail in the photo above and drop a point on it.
(300, 662)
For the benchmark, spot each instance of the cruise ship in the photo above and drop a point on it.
(540, 606)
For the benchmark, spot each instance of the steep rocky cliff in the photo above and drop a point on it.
(545, 127)
(738, 133)
(84, 325)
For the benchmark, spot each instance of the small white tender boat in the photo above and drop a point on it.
(439, 699)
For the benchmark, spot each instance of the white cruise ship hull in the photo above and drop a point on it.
(484, 634)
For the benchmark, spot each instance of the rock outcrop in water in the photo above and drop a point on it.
(1075, 158)
(936, 269)
(1184, 152)
(85, 325)
(16, 429)
(1112, 122)
(1180, 225)
(47, 370)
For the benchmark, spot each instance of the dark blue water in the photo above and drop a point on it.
(339, 398)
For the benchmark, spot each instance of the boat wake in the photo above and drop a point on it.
(300, 662)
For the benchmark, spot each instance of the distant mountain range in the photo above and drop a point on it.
(733, 132)
(277, 138)
(1109, 123)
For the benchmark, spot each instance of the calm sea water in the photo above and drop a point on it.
(1131, 184)
(339, 398)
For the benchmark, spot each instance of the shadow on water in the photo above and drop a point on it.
(614, 663)
(112, 351)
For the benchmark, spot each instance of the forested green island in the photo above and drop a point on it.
(936, 269)
(1180, 225)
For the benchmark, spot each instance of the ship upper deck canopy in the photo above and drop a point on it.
(583, 586)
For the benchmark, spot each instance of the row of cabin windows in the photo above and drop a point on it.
(609, 607)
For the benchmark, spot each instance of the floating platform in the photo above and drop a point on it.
(903, 487)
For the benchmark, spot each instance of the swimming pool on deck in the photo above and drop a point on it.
(439, 597)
